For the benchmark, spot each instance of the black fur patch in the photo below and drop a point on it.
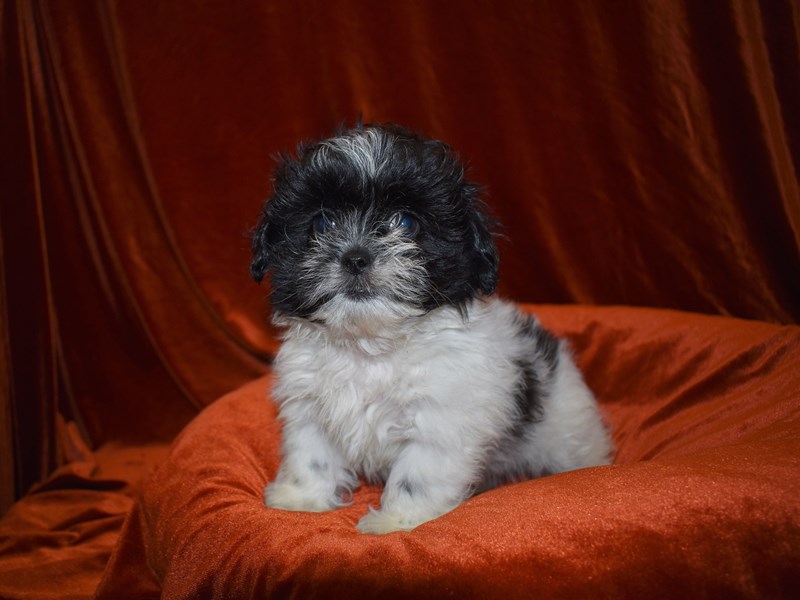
(527, 396)
(407, 487)
(547, 346)
(535, 373)
(318, 467)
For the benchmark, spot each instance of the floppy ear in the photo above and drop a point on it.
(260, 264)
(484, 259)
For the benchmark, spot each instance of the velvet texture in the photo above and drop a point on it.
(702, 499)
(640, 155)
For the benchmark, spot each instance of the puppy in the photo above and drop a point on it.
(398, 364)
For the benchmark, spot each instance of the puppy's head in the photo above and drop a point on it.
(376, 222)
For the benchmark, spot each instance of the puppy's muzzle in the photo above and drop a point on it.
(356, 260)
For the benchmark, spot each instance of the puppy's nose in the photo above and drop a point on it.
(356, 260)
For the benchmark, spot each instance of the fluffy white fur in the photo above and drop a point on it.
(418, 403)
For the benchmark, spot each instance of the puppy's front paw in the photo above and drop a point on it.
(378, 522)
(288, 496)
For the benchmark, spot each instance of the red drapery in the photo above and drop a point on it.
(640, 154)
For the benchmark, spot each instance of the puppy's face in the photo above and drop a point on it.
(373, 223)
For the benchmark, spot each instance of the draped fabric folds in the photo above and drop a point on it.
(644, 154)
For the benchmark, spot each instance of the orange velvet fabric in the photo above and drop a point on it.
(644, 155)
(55, 542)
(703, 499)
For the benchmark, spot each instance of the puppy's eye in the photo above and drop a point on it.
(322, 223)
(406, 223)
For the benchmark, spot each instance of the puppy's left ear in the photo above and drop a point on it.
(260, 263)
(484, 259)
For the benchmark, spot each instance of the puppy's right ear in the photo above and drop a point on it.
(260, 264)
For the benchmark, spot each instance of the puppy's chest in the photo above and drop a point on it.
(365, 403)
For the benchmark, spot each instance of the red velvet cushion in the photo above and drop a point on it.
(703, 499)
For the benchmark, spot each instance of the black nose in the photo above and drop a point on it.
(356, 260)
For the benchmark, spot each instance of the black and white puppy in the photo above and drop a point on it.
(398, 364)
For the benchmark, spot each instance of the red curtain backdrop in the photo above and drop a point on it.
(637, 153)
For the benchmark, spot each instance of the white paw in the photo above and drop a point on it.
(287, 496)
(378, 522)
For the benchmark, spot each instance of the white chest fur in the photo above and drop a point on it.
(369, 402)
